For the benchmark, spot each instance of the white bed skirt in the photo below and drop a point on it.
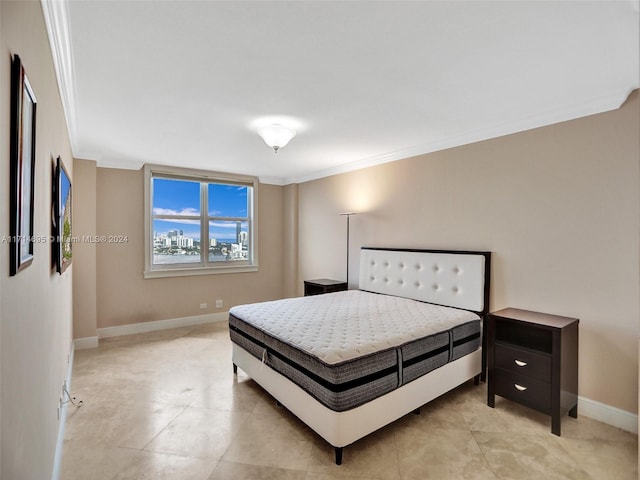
(343, 428)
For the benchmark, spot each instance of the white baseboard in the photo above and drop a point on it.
(85, 343)
(607, 414)
(143, 327)
(57, 460)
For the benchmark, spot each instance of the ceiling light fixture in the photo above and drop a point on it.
(276, 135)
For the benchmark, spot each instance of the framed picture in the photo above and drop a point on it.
(62, 241)
(22, 159)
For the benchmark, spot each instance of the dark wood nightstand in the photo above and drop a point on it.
(533, 360)
(323, 285)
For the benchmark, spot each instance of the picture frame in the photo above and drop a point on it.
(61, 217)
(22, 166)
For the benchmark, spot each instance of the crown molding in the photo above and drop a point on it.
(273, 180)
(603, 103)
(56, 18)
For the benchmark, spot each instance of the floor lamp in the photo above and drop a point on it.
(348, 215)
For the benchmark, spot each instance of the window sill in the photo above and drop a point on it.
(187, 272)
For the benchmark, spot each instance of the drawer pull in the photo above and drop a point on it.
(520, 388)
(520, 363)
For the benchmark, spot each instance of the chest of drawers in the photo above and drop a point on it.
(533, 360)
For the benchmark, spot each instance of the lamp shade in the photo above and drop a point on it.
(276, 135)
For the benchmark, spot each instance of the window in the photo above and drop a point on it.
(198, 222)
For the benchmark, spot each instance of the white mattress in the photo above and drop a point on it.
(346, 325)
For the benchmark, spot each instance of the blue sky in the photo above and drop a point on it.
(65, 185)
(179, 197)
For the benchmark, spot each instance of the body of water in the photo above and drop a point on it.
(160, 259)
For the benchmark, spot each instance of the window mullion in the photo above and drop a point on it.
(204, 224)
(229, 219)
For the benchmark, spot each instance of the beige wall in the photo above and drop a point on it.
(85, 315)
(290, 242)
(35, 310)
(125, 297)
(558, 207)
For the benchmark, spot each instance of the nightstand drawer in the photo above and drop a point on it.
(524, 390)
(523, 362)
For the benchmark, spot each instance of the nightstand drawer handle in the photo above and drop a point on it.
(520, 363)
(520, 388)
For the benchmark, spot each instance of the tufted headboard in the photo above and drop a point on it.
(445, 277)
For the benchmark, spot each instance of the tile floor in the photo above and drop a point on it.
(165, 405)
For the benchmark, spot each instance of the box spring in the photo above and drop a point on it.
(349, 384)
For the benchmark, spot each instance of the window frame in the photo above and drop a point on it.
(204, 266)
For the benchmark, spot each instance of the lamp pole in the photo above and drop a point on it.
(348, 215)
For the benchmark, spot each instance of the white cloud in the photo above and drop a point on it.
(177, 220)
(169, 211)
(223, 224)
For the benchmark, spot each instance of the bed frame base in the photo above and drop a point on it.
(343, 428)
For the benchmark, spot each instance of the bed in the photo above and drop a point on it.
(348, 363)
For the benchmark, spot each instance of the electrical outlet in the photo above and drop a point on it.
(219, 303)
(203, 305)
